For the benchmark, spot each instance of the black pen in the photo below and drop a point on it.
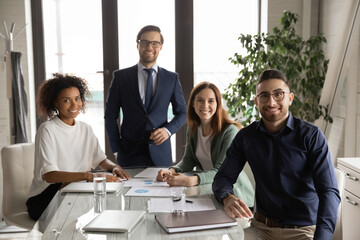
(178, 199)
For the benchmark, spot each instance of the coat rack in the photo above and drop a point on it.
(9, 46)
(9, 38)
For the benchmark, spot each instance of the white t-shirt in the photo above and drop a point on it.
(60, 147)
(203, 153)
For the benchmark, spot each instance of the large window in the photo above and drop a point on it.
(217, 26)
(73, 41)
(73, 44)
(135, 14)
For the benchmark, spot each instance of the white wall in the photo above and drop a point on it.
(326, 15)
(15, 11)
(329, 16)
(344, 134)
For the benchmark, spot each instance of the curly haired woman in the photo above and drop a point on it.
(65, 149)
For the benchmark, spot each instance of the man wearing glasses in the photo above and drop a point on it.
(296, 189)
(143, 93)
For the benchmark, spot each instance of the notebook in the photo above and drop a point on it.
(89, 187)
(115, 221)
(191, 221)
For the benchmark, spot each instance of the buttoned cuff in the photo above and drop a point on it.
(167, 131)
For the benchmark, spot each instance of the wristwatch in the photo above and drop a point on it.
(225, 195)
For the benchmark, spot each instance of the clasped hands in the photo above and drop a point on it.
(172, 178)
(159, 136)
(176, 179)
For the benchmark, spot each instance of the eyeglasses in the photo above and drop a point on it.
(277, 95)
(145, 43)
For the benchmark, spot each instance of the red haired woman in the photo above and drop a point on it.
(210, 133)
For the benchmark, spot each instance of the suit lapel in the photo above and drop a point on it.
(134, 82)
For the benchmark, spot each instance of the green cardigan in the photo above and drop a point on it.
(218, 147)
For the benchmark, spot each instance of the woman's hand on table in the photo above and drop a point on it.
(178, 179)
(117, 171)
(163, 174)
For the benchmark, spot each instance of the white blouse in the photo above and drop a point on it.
(203, 152)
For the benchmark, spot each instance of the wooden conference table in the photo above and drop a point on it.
(69, 212)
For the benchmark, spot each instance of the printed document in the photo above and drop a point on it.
(144, 182)
(149, 191)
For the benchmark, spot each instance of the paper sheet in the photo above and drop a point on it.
(149, 191)
(165, 205)
(149, 173)
(144, 182)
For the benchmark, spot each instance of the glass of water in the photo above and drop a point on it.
(99, 183)
(178, 199)
(99, 203)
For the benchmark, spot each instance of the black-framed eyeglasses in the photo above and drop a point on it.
(277, 95)
(145, 43)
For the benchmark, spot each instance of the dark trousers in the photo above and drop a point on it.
(36, 205)
(139, 158)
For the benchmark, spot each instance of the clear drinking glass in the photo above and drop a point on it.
(178, 199)
(99, 183)
(99, 203)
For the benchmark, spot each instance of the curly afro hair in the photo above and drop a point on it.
(50, 89)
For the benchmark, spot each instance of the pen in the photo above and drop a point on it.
(167, 174)
(178, 199)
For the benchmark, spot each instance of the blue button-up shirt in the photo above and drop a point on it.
(293, 171)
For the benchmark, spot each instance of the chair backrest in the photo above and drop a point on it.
(340, 176)
(18, 166)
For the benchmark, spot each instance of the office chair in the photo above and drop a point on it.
(18, 166)
(340, 176)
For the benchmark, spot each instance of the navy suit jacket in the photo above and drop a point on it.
(137, 122)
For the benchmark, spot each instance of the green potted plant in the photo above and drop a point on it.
(302, 61)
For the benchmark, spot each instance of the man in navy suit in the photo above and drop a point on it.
(144, 93)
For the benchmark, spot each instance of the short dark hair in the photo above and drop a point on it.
(150, 28)
(49, 91)
(272, 74)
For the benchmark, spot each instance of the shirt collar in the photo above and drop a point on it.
(290, 124)
(141, 67)
(61, 124)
